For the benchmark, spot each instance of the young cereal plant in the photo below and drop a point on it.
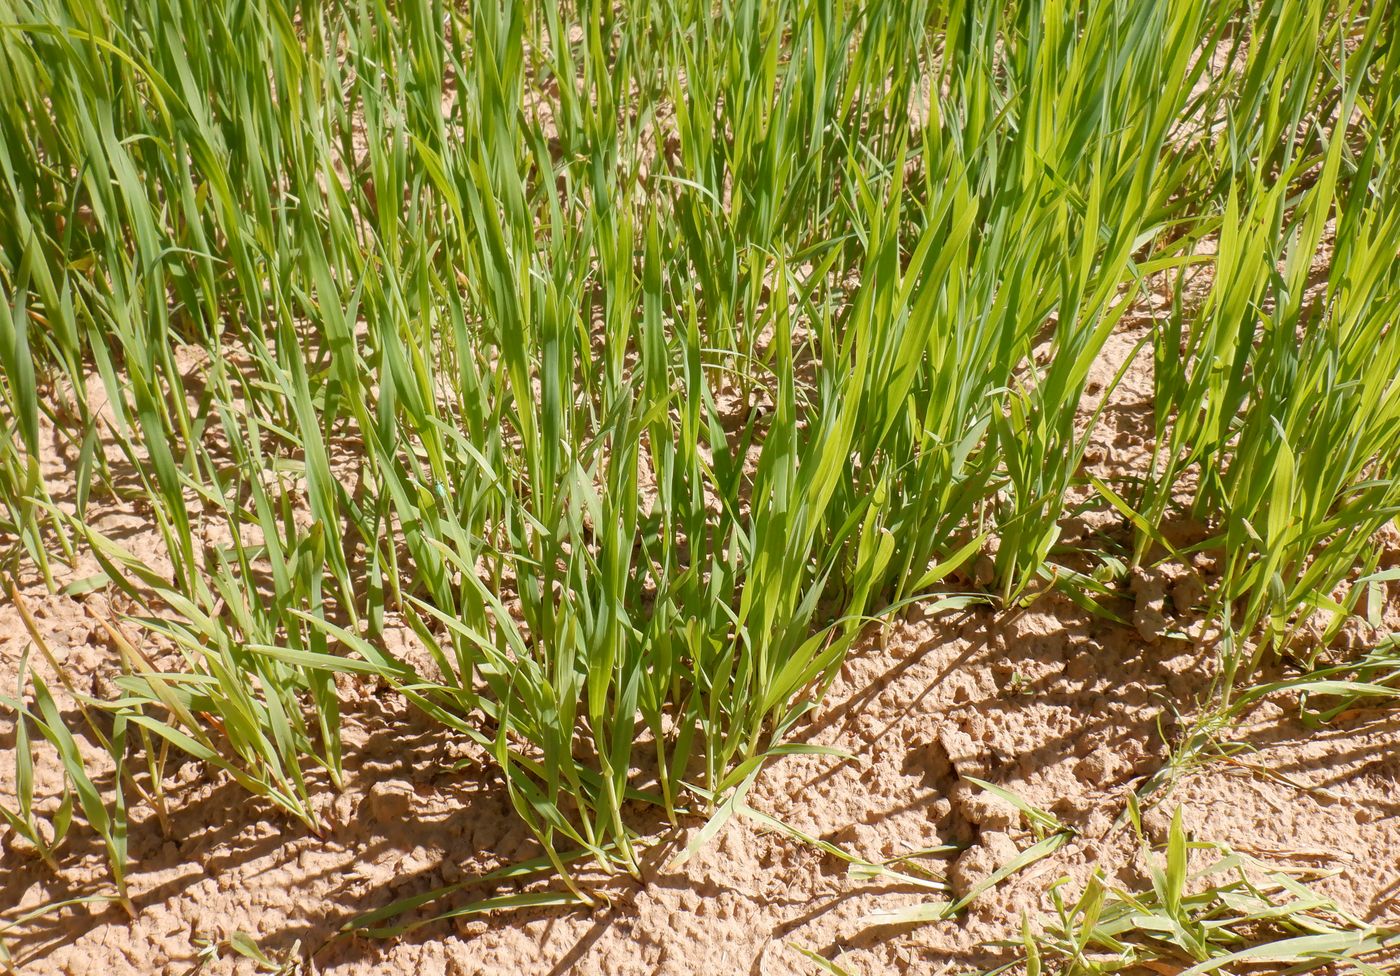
(1235, 914)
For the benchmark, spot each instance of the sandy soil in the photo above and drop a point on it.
(1064, 708)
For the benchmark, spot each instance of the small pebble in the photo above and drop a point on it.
(388, 800)
(1094, 769)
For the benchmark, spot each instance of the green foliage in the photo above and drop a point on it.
(1234, 914)
(1280, 385)
(636, 356)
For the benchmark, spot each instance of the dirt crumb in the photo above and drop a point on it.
(986, 810)
(975, 865)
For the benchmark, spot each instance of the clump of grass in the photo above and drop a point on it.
(636, 356)
(1280, 386)
(1323, 695)
(1234, 914)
